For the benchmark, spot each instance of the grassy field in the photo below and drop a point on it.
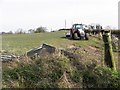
(20, 43)
(60, 71)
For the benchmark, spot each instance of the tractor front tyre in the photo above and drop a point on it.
(73, 36)
(86, 36)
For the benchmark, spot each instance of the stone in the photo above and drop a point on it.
(42, 51)
(5, 58)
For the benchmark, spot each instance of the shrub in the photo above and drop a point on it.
(40, 29)
(101, 78)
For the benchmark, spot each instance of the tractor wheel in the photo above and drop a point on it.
(76, 37)
(86, 36)
(78, 34)
(72, 36)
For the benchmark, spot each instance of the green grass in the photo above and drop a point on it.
(20, 43)
(48, 72)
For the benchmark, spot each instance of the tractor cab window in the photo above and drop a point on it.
(79, 26)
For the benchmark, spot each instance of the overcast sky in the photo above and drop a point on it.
(30, 14)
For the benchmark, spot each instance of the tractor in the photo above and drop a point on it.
(78, 32)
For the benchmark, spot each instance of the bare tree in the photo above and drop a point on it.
(20, 31)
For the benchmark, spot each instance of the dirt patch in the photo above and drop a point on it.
(92, 48)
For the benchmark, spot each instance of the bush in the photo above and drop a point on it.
(101, 77)
(52, 72)
(40, 29)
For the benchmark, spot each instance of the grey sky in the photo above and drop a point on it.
(27, 14)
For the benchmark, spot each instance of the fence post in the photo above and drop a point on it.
(119, 52)
(108, 53)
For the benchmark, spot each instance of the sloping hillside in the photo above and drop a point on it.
(81, 67)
